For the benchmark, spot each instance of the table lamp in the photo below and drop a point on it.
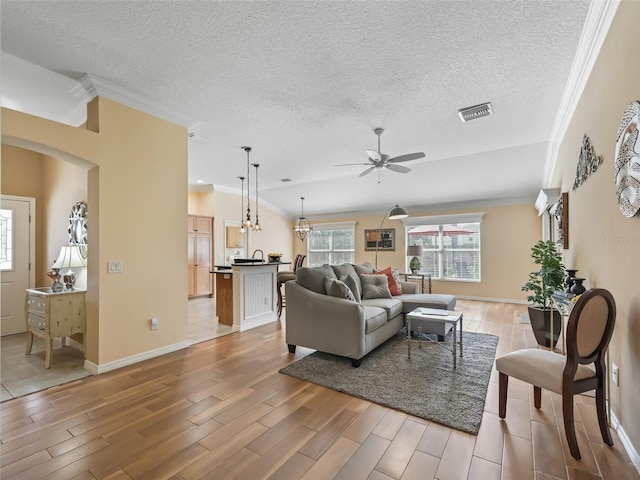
(70, 257)
(415, 264)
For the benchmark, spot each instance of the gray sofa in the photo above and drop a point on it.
(333, 322)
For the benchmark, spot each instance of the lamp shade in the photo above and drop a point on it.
(414, 251)
(398, 212)
(69, 257)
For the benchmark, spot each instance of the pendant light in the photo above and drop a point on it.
(247, 222)
(302, 228)
(242, 230)
(257, 226)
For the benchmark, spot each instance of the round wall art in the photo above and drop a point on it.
(626, 169)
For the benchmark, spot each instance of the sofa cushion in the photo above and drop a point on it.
(336, 288)
(375, 286)
(394, 286)
(374, 317)
(430, 300)
(312, 278)
(363, 268)
(392, 306)
(347, 269)
(351, 282)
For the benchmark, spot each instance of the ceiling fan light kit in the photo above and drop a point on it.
(379, 160)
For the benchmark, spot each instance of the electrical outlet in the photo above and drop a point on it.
(614, 373)
(114, 267)
(154, 323)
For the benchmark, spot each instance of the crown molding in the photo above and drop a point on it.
(596, 27)
(91, 86)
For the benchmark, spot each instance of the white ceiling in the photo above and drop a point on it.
(305, 83)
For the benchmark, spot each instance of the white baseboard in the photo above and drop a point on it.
(626, 443)
(139, 357)
(491, 299)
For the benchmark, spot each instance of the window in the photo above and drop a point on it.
(450, 248)
(332, 244)
(6, 239)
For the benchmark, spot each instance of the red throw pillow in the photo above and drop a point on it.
(394, 288)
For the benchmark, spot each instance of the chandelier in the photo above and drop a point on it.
(242, 229)
(247, 222)
(257, 226)
(302, 228)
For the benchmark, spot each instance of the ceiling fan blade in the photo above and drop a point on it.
(368, 170)
(407, 157)
(373, 155)
(398, 168)
(349, 164)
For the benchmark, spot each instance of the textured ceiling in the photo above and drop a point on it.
(305, 83)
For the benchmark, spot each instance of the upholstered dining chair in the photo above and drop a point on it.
(286, 276)
(589, 331)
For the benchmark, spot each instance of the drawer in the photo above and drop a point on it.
(36, 304)
(36, 321)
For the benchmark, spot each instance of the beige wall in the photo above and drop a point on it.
(507, 233)
(225, 207)
(137, 203)
(603, 244)
(57, 186)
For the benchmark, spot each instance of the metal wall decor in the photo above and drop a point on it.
(626, 168)
(561, 217)
(588, 162)
(78, 227)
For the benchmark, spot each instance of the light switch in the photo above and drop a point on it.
(114, 267)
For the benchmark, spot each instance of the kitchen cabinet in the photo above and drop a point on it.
(200, 255)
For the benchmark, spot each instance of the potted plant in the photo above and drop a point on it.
(542, 283)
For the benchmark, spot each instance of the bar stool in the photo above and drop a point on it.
(286, 276)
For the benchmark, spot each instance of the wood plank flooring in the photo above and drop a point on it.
(221, 410)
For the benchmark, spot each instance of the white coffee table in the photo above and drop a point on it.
(447, 317)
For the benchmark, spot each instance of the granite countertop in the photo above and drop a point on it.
(228, 268)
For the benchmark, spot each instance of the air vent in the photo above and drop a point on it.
(285, 180)
(477, 111)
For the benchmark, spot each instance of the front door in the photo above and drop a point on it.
(15, 259)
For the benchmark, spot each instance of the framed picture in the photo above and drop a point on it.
(384, 238)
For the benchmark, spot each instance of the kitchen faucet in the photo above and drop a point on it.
(261, 253)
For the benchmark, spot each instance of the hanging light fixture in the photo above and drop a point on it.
(242, 230)
(257, 226)
(247, 222)
(302, 228)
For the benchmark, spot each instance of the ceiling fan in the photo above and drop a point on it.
(378, 160)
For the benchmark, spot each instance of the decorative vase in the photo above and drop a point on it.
(577, 288)
(571, 274)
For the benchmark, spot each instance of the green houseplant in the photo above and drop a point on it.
(542, 283)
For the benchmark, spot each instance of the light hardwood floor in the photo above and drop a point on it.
(220, 409)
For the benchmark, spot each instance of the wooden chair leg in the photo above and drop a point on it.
(503, 384)
(537, 397)
(279, 287)
(569, 425)
(601, 408)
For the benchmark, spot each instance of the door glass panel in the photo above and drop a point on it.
(6, 239)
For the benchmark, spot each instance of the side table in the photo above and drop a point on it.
(421, 276)
(51, 315)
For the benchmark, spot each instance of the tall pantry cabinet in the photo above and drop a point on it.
(200, 255)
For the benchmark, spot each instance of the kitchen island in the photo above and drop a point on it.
(251, 289)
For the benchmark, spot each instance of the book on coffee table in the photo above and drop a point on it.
(436, 312)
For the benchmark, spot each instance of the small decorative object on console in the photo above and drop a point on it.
(274, 257)
(54, 275)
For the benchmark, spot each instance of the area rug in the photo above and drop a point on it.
(426, 386)
(524, 318)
